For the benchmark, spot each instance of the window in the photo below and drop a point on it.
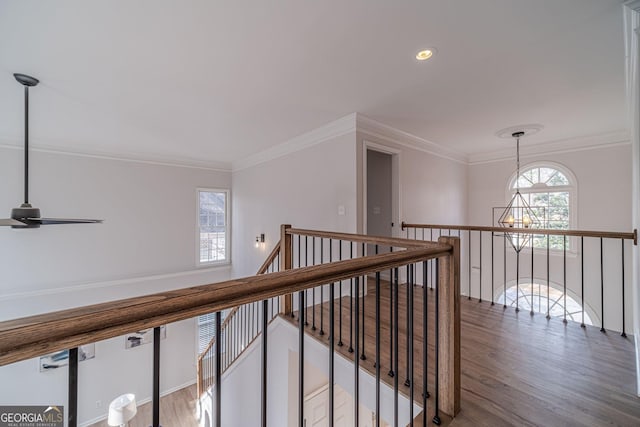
(550, 192)
(206, 330)
(535, 299)
(213, 227)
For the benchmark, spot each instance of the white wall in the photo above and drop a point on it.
(632, 54)
(303, 188)
(149, 212)
(604, 186)
(147, 244)
(241, 384)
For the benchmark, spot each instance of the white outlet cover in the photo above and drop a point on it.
(342, 210)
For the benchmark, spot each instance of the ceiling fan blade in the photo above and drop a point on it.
(11, 222)
(52, 221)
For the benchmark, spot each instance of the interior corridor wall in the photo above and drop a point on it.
(433, 189)
(312, 188)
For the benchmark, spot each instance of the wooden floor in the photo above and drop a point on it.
(517, 369)
(177, 409)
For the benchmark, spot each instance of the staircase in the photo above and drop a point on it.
(396, 357)
(239, 329)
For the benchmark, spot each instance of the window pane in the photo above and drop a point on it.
(559, 198)
(558, 179)
(206, 332)
(531, 175)
(539, 199)
(552, 208)
(534, 297)
(213, 231)
(524, 182)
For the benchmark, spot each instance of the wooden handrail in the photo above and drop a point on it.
(379, 240)
(33, 336)
(272, 257)
(580, 233)
(262, 270)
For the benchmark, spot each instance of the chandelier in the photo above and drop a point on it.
(518, 216)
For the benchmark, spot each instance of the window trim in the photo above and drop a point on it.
(227, 248)
(572, 189)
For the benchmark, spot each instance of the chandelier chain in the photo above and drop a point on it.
(518, 164)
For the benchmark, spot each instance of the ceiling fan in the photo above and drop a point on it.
(26, 216)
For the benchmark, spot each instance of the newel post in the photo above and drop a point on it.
(449, 328)
(286, 263)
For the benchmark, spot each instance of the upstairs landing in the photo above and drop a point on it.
(517, 369)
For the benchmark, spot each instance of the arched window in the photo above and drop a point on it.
(550, 191)
(539, 298)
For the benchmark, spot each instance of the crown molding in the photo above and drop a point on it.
(334, 129)
(569, 145)
(388, 133)
(14, 144)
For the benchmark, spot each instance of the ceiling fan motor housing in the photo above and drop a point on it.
(23, 213)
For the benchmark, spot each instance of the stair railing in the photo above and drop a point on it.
(242, 318)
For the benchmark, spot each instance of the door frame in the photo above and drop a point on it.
(396, 195)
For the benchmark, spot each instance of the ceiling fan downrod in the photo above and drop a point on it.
(26, 210)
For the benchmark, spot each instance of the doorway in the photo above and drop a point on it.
(379, 194)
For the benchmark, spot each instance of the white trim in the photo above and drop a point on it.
(109, 283)
(134, 158)
(350, 123)
(316, 392)
(570, 145)
(387, 133)
(632, 69)
(573, 181)
(396, 184)
(316, 136)
(347, 124)
(140, 402)
(227, 227)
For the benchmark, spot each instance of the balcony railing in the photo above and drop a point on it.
(582, 276)
(320, 274)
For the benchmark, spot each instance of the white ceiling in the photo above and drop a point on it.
(218, 81)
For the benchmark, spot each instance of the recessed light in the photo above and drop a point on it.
(423, 55)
